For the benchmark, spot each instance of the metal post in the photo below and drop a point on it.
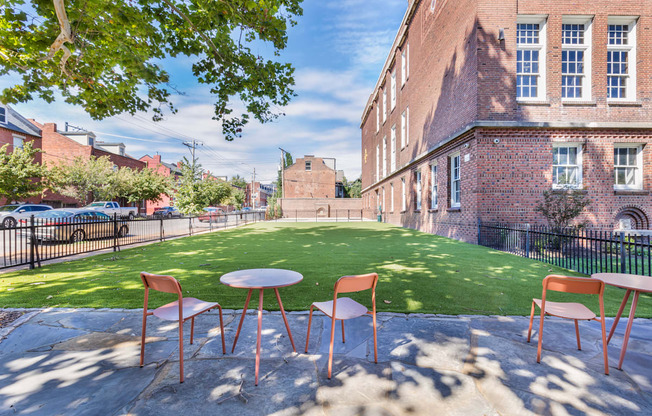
(190, 225)
(115, 231)
(32, 240)
(622, 252)
(479, 231)
(161, 233)
(527, 240)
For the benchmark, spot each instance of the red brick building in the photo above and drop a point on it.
(483, 105)
(257, 198)
(165, 169)
(313, 177)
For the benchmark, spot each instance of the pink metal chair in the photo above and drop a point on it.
(346, 308)
(570, 310)
(180, 310)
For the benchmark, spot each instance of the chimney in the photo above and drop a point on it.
(157, 158)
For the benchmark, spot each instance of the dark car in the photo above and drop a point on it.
(10, 215)
(167, 212)
(76, 225)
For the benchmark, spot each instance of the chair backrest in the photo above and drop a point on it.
(161, 283)
(568, 284)
(347, 284)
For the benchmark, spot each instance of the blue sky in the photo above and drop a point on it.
(338, 49)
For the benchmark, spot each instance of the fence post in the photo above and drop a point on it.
(32, 240)
(479, 232)
(190, 225)
(622, 252)
(527, 240)
(115, 231)
(161, 233)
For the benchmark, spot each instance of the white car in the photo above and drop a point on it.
(11, 214)
(110, 208)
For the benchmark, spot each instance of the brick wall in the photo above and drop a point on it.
(155, 164)
(318, 182)
(321, 207)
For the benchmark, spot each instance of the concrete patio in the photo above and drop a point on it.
(85, 362)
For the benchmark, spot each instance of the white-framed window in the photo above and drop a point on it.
(405, 63)
(576, 58)
(566, 165)
(621, 58)
(18, 142)
(384, 156)
(433, 186)
(308, 165)
(377, 162)
(393, 160)
(531, 58)
(407, 126)
(403, 195)
(384, 104)
(417, 199)
(433, 3)
(628, 166)
(393, 91)
(384, 207)
(391, 197)
(377, 118)
(455, 190)
(403, 129)
(3, 115)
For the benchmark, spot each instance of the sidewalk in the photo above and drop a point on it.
(85, 362)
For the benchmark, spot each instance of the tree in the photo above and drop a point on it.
(237, 198)
(352, 189)
(84, 179)
(561, 207)
(214, 192)
(148, 185)
(239, 181)
(20, 176)
(106, 55)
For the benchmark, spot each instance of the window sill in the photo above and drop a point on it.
(454, 209)
(631, 192)
(585, 103)
(417, 211)
(403, 212)
(545, 103)
(624, 103)
(433, 210)
(563, 190)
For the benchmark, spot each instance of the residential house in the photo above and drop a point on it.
(165, 169)
(481, 106)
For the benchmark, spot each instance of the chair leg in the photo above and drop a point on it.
(375, 339)
(181, 351)
(309, 323)
(142, 340)
(529, 331)
(577, 334)
(540, 336)
(330, 350)
(604, 345)
(219, 308)
(192, 329)
(343, 341)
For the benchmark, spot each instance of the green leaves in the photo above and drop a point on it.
(194, 194)
(20, 175)
(119, 46)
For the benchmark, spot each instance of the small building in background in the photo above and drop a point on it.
(162, 168)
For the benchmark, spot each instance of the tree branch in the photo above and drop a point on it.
(64, 36)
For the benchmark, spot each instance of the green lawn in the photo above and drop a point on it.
(418, 272)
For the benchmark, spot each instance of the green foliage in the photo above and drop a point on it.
(118, 46)
(237, 198)
(561, 207)
(239, 182)
(352, 189)
(148, 185)
(85, 179)
(194, 194)
(20, 176)
(273, 207)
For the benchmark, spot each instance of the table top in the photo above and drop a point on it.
(261, 278)
(626, 281)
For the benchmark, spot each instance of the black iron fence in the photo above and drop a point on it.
(35, 240)
(586, 251)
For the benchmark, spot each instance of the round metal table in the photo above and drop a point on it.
(631, 282)
(261, 279)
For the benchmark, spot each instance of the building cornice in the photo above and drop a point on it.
(617, 125)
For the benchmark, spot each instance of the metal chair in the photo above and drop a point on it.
(346, 308)
(570, 310)
(180, 310)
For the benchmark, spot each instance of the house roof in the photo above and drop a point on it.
(18, 123)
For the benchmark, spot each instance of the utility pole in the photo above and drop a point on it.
(253, 186)
(192, 146)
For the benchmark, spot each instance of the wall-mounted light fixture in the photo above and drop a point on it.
(501, 34)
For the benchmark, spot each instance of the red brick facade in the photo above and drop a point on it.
(461, 98)
(309, 177)
(164, 169)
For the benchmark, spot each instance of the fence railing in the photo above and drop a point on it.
(586, 251)
(35, 240)
(325, 215)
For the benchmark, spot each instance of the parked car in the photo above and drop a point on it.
(167, 212)
(10, 215)
(213, 214)
(77, 224)
(110, 208)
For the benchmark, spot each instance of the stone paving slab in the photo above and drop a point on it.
(84, 361)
